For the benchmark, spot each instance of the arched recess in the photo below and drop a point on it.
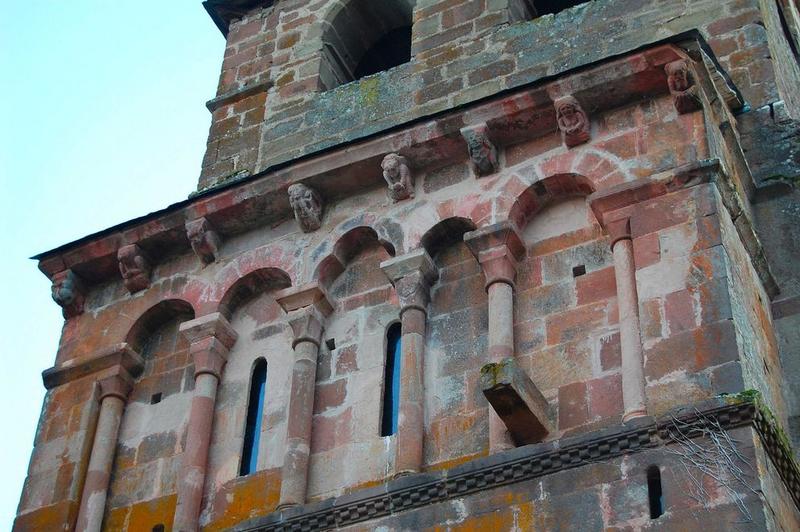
(456, 413)
(157, 409)
(350, 365)
(565, 315)
(251, 285)
(243, 447)
(543, 193)
(363, 37)
(347, 247)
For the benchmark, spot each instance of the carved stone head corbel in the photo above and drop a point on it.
(482, 151)
(205, 241)
(134, 268)
(682, 87)
(573, 122)
(68, 292)
(398, 177)
(307, 207)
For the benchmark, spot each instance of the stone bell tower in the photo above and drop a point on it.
(451, 265)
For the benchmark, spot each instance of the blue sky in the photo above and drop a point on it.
(103, 121)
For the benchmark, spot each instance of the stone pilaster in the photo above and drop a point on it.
(115, 383)
(633, 384)
(498, 248)
(210, 339)
(306, 307)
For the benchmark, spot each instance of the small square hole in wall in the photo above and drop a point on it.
(155, 398)
(577, 271)
(330, 343)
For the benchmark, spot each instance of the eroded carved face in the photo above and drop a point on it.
(391, 167)
(63, 290)
(570, 116)
(678, 76)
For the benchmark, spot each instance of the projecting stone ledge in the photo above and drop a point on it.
(517, 401)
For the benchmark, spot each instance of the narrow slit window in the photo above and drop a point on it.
(391, 381)
(654, 492)
(255, 413)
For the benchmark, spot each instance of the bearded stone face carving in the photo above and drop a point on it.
(307, 207)
(134, 267)
(572, 121)
(482, 151)
(398, 177)
(67, 291)
(205, 241)
(682, 87)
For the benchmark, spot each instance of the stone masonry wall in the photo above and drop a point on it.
(608, 495)
(457, 59)
(706, 321)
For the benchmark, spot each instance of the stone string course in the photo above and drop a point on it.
(529, 462)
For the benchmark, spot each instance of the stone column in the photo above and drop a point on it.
(498, 248)
(633, 385)
(307, 307)
(412, 275)
(115, 384)
(210, 339)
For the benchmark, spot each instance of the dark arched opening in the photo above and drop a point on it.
(364, 37)
(391, 381)
(654, 492)
(255, 414)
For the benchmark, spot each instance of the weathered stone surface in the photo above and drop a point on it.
(710, 247)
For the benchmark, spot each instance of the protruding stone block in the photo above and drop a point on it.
(573, 122)
(204, 239)
(134, 268)
(307, 206)
(68, 292)
(398, 176)
(482, 151)
(517, 401)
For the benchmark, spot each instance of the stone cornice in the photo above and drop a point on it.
(261, 200)
(114, 356)
(529, 462)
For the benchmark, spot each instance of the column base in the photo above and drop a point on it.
(633, 414)
(286, 506)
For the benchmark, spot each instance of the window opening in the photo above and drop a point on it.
(391, 381)
(654, 492)
(391, 50)
(255, 413)
(155, 398)
(577, 271)
(330, 343)
(551, 7)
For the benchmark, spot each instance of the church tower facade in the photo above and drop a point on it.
(451, 265)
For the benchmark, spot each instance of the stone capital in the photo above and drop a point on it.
(117, 384)
(306, 308)
(204, 239)
(210, 339)
(619, 229)
(68, 292)
(412, 275)
(108, 361)
(498, 248)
